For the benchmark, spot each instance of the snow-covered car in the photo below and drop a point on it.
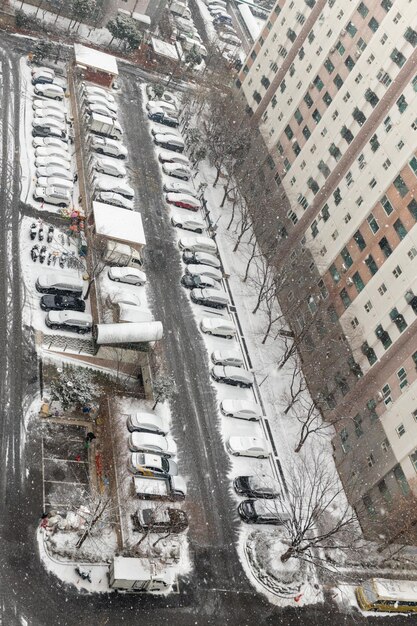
(196, 258)
(129, 275)
(49, 152)
(218, 327)
(55, 181)
(176, 187)
(39, 69)
(235, 376)
(115, 199)
(227, 357)
(164, 118)
(261, 486)
(169, 142)
(263, 512)
(177, 170)
(109, 147)
(55, 92)
(103, 182)
(230, 39)
(49, 142)
(123, 296)
(39, 104)
(42, 75)
(92, 99)
(151, 465)
(54, 302)
(53, 195)
(225, 28)
(206, 270)
(199, 281)
(213, 298)
(39, 120)
(183, 200)
(50, 114)
(146, 422)
(198, 243)
(100, 109)
(48, 131)
(151, 442)
(160, 104)
(157, 130)
(54, 170)
(98, 91)
(110, 167)
(74, 321)
(52, 160)
(257, 447)
(188, 223)
(241, 409)
(166, 156)
(167, 96)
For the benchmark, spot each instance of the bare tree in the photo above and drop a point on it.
(297, 386)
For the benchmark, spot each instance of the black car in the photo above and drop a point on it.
(163, 118)
(62, 303)
(42, 79)
(263, 512)
(257, 486)
(48, 131)
(192, 281)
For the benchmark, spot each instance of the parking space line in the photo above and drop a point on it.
(43, 477)
(65, 482)
(51, 458)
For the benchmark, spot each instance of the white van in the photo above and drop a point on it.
(198, 244)
(59, 283)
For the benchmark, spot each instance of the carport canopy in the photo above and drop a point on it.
(118, 224)
(95, 60)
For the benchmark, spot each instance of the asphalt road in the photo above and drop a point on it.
(217, 591)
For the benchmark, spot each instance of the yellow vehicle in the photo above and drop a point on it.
(382, 594)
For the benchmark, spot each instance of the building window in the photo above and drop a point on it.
(385, 247)
(345, 298)
(400, 430)
(359, 240)
(350, 63)
(400, 229)
(368, 306)
(412, 253)
(288, 132)
(402, 378)
(357, 420)
(400, 145)
(346, 134)
(387, 124)
(306, 132)
(338, 81)
(324, 169)
(411, 36)
(371, 265)
(334, 273)
(397, 271)
(368, 504)
(397, 57)
(313, 185)
(257, 96)
(413, 165)
(401, 480)
(335, 152)
(398, 319)
(337, 196)
(349, 179)
(354, 322)
(402, 104)
(358, 282)
(327, 99)
(386, 5)
(374, 143)
(335, 235)
(384, 78)
(385, 445)
(298, 116)
(369, 353)
(412, 207)
(318, 83)
(316, 116)
(308, 100)
(296, 148)
(386, 204)
(373, 24)
(358, 116)
(361, 161)
(371, 97)
(384, 491)
(386, 393)
(382, 289)
(372, 183)
(370, 460)
(323, 289)
(347, 218)
(363, 9)
(400, 186)
(329, 66)
(344, 440)
(386, 164)
(373, 224)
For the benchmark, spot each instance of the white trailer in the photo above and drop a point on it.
(134, 575)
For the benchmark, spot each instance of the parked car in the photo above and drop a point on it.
(50, 142)
(110, 167)
(160, 104)
(102, 182)
(169, 142)
(230, 39)
(53, 195)
(263, 512)
(198, 244)
(199, 281)
(183, 201)
(42, 130)
(200, 257)
(206, 270)
(227, 357)
(177, 170)
(176, 187)
(52, 160)
(109, 147)
(59, 283)
(218, 327)
(123, 296)
(166, 156)
(261, 486)
(248, 446)
(100, 100)
(157, 520)
(151, 465)
(157, 130)
(52, 152)
(43, 75)
(163, 117)
(236, 376)
(146, 422)
(55, 92)
(61, 303)
(188, 223)
(225, 28)
(129, 275)
(167, 96)
(55, 181)
(241, 409)
(51, 113)
(115, 199)
(213, 298)
(38, 69)
(90, 90)
(219, 19)
(73, 321)
(54, 170)
(100, 109)
(153, 443)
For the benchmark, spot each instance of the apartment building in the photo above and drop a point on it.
(332, 85)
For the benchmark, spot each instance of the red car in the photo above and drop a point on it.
(183, 200)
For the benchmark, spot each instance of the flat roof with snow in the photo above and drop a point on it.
(89, 57)
(164, 49)
(138, 17)
(117, 223)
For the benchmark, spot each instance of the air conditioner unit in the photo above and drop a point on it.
(342, 33)
(358, 53)
(349, 282)
(344, 268)
(379, 396)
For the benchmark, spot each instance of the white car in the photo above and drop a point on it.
(177, 170)
(101, 109)
(129, 275)
(160, 104)
(41, 69)
(146, 422)
(257, 447)
(53, 195)
(230, 39)
(51, 152)
(51, 114)
(110, 167)
(198, 244)
(49, 142)
(49, 121)
(54, 170)
(203, 258)
(204, 270)
(167, 96)
(103, 182)
(55, 181)
(227, 357)
(166, 156)
(48, 161)
(93, 99)
(109, 147)
(55, 92)
(218, 327)
(48, 104)
(183, 201)
(99, 91)
(236, 376)
(114, 199)
(150, 442)
(172, 186)
(123, 296)
(151, 465)
(163, 130)
(241, 409)
(188, 223)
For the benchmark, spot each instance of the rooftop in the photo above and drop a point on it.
(89, 57)
(119, 224)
